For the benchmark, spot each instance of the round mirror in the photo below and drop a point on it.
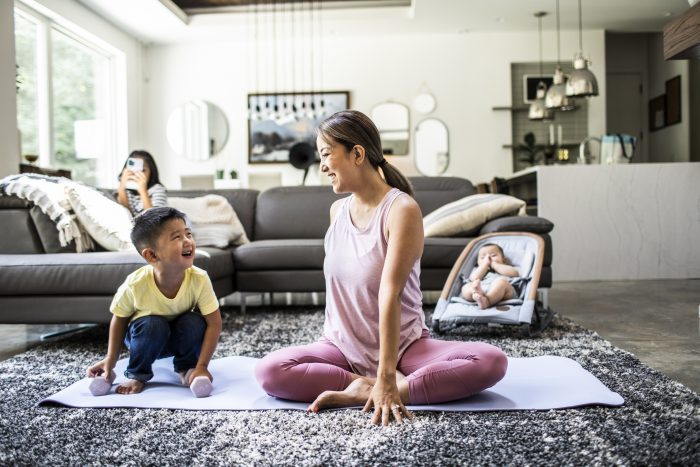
(432, 147)
(392, 122)
(197, 130)
(424, 103)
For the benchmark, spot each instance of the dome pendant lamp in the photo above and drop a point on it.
(556, 98)
(582, 82)
(537, 110)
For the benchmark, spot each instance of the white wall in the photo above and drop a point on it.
(9, 139)
(670, 144)
(468, 74)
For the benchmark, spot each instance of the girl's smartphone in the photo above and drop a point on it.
(134, 164)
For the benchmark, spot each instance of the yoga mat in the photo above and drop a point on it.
(537, 383)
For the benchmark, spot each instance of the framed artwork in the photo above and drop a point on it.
(277, 122)
(673, 100)
(657, 113)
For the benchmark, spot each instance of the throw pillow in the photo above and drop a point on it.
(466, 216)
(214, 222)
(107, 222)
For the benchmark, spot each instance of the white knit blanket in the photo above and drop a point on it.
(215, 223)
(48, 193)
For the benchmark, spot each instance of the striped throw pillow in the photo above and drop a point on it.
(466, 216)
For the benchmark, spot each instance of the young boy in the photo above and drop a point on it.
(491, 280)
(153, 310)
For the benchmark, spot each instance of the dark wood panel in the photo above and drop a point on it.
(184, 4)
(682, 36)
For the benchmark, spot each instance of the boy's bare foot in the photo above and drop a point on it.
(355, 394)
(130, 386)
(481, 300)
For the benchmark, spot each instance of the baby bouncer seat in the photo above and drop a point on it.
(523, 250)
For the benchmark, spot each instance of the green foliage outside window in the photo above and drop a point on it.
(74, 72)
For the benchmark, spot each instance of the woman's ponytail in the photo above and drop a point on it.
(395, 178)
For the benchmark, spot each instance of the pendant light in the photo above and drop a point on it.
(582, 82)
(538, 111)
(556, 98)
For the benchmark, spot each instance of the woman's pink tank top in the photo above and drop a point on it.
(353, 270)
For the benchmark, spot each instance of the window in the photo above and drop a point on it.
(27, 105)
(65, 99)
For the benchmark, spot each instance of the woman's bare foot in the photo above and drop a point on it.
(481, 300)
(131, 386)
(356, 393)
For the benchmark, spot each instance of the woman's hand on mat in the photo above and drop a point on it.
(387, 403)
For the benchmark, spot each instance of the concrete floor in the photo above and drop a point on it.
(658, 321)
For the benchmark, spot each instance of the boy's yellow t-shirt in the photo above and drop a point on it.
(139, 295)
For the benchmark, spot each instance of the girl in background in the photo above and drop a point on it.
(141, 189)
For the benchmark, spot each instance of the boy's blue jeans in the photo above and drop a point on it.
(152, 337)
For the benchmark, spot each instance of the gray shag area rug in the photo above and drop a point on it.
(658, 425)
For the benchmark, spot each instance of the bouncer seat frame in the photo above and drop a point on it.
(525, 251)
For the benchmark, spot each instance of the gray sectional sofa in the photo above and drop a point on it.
(42, 282)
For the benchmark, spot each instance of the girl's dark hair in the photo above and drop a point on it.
(153, 179)
(350, 128)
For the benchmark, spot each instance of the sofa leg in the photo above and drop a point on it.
(544, 297)
(244, 299)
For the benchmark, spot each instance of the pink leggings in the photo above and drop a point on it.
(436, 371)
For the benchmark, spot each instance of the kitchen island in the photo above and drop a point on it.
(626, 221)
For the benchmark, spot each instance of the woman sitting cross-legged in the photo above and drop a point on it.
(375, 350)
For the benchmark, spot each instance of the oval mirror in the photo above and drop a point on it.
(197, 130)
(432, 147)
(392, 120)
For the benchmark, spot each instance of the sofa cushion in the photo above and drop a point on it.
(293, 212)
(538, 225)
(214, 221)
(107, 222)
(433, 192)
(287, 254)
(442, 252)
(87, 273)
(46, 229)
(243, 201)
(19, 234)
(467, 215)
(216, 261)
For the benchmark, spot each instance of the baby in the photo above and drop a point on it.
(489, 282)
(153, 311)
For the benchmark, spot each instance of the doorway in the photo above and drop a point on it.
(625, 110)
